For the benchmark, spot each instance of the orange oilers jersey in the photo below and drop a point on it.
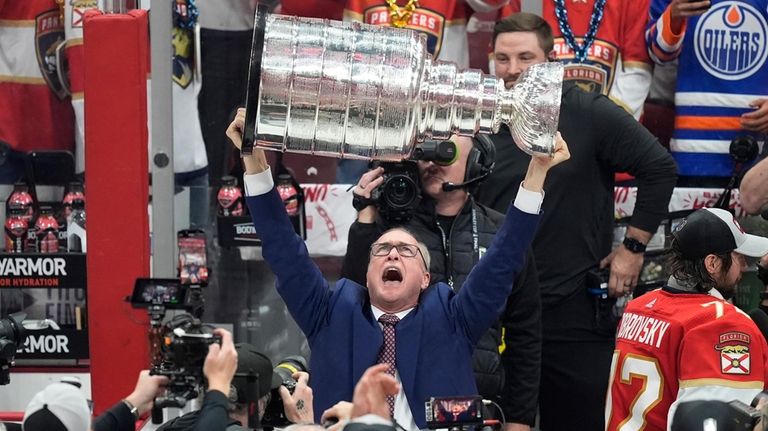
(674, 347)
(444, 22)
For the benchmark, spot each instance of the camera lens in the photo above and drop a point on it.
(400, 191)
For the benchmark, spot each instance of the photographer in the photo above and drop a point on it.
(124, 414)
(457, 231)
(227, 399)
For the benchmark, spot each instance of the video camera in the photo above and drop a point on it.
(12, 337)
(454, 412)
(274, 412)
(400, 193)
(183, 351)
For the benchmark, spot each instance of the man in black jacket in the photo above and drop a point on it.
(457, 231)
(577, 226)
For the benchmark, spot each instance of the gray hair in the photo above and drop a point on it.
(422, 247)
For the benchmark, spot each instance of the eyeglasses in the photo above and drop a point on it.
(404, 250)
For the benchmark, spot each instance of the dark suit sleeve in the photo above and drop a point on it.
(299, 281)
(483, 296)
(359, 240)
(627, 146)
(521, 357)
(117, 418)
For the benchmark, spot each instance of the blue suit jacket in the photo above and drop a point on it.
(434, 341)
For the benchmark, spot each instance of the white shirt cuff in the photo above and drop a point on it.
(258, 184)
(528, 201)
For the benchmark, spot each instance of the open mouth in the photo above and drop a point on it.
(392, 274)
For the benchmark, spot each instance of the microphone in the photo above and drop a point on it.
(761, 320)
(449, 187)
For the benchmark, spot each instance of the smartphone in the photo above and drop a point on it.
(168, 292)
(446, 412)
(193, 257)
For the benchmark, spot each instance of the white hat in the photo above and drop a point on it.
(715, 231)
(58, 407)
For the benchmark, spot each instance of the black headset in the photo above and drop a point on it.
(480, 163)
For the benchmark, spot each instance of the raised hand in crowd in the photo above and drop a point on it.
(757, 120)
(340, 413)
(371, 392)
(147, 389)
(298, 406)
(682, 9)
(221, 363)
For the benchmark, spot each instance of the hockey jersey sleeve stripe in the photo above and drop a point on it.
(699, 145)
(661, 56)
(685, 137)
(634, 64)
(707, 123)
(710, 111)
(21, 80)
(715, 99)
(17, 23)
(12, 40)
(720, 384)
(703, 164)
(668, 40)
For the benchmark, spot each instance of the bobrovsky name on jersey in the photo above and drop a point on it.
(730, 40)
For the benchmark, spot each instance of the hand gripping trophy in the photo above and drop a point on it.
(356, 91)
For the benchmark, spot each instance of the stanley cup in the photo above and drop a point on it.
(351, 90)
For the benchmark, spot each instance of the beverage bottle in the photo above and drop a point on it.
(288, 194)
(75, 191)
(21, 198)
(230, 197)
(47, 231)
(76, 227)
(16, 229)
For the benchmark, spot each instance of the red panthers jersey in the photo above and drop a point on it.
(444, 22)
(675, 347)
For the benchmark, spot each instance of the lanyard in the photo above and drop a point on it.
(446, 246)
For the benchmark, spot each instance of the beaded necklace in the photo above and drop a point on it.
(579, 51)
(399, 16)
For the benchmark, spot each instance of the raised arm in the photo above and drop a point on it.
(482, 298)
(299, 281)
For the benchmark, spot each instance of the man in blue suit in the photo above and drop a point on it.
(434, 329)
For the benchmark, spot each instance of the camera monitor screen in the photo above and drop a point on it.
(168, 292)
(452, 411)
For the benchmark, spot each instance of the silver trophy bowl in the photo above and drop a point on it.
(357, 91)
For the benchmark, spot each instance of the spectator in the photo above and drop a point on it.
(457, 231)
(717, 97)
(577, 226)
(227, 400)
(601, 44)
(190, 162)
(754, 188)
(431, 344)
(35, 105)
(60, 406)
(124, 414)
(684, 342)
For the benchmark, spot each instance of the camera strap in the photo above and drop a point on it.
(475, 236)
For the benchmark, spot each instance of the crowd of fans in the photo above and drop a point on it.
(486, 288)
